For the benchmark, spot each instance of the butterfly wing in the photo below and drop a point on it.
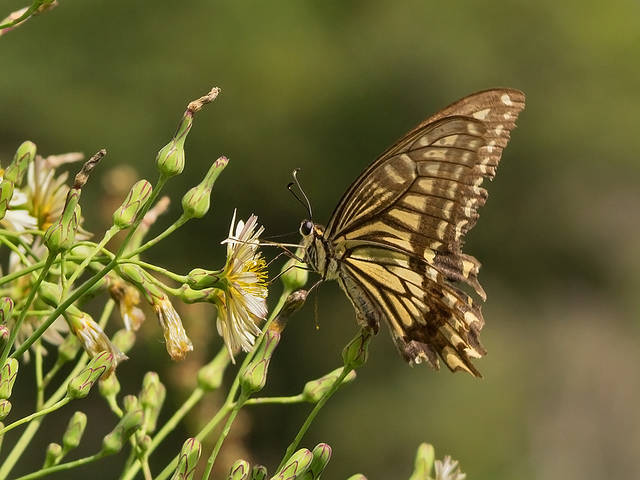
(414, 204)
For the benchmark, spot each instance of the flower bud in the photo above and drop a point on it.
(423, 463)
(61, 235)
(21, 160)
(254, 377)
(8, 375)
(297, 465)
(131, 402)
(4, 333)
(357, 476)
(199, 278)
(188, 459)
(294, 302)
(5, 408)
(240, 470)
(127, 213)
(79, 387)
(53, 455)
(151, 398)
(144, 442)
(321, 457)
(129, 423)
(210, 376)
(109, 387)
(258, 472)
(195, 203)
(75, 430)
(6, 192)
(124, 340)
(6, 309)
(50, 293)
(294, 273)
(356, 352)
(170, 158)
(315, 389)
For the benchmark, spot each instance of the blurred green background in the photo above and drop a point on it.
(326, 86)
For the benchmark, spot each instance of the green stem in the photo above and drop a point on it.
(168, 470)
(172, 228)
(155, 268)
(15, 250)
(39, 380)
(35, 415)
(25, 16)
(307, 423)
(63, 466)
(50, 374)
(32, 294)
(275, 400)
(107, 236)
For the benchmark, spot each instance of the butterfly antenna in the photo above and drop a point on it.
(290, 186)
(308, 206)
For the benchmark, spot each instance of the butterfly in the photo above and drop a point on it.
(394, 241)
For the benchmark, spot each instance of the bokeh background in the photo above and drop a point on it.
(326, 86)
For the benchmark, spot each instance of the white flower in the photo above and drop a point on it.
(242, 301)
(448, 469)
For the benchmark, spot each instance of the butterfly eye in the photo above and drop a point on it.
(306, 227)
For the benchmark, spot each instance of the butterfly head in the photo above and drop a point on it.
(314, 244)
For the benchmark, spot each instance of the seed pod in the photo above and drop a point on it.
(21, 160)
(210, 376)
(196, 202)
(8, 374)
(79, 387)
(254, 377)
(315, 389)
(128, 212)
(75, 430)
(297, 465)
(188, 460)
(356, 352)
(240, 470)
(53, 456)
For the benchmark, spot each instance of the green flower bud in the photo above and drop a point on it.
(188, 460)
(357, 476)
(315, 389)
(5, 408)
(292, 304)
(294, 273)
(254, 377)
(4, 333)
(144, 442)
(79, 387)
(61, 235)
(423, 463)
(240, 470)
(75, 430)
(151, 398)
(321, 457)
(21, 160)
(127, 213)
(68, 349)
(6, 309)
(199, 278)
(131, 403)
(210, 376)
(258, 472)
(195, 203)
(170, 158)
(128, 424)
(53, 456)
(6, 192)
(124, 340)
(356, 352)
(50, 293)
(297, 465)
(109, 387)
(8, 375)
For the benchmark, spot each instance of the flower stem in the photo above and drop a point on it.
(39, 380)
(63, 466)
(275, 400)
(316, 409)
(107, 236)
(172, 228)
(35, 415)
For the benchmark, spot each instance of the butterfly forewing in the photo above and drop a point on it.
(399, 229)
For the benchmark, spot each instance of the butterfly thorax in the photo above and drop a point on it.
(319, 252)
